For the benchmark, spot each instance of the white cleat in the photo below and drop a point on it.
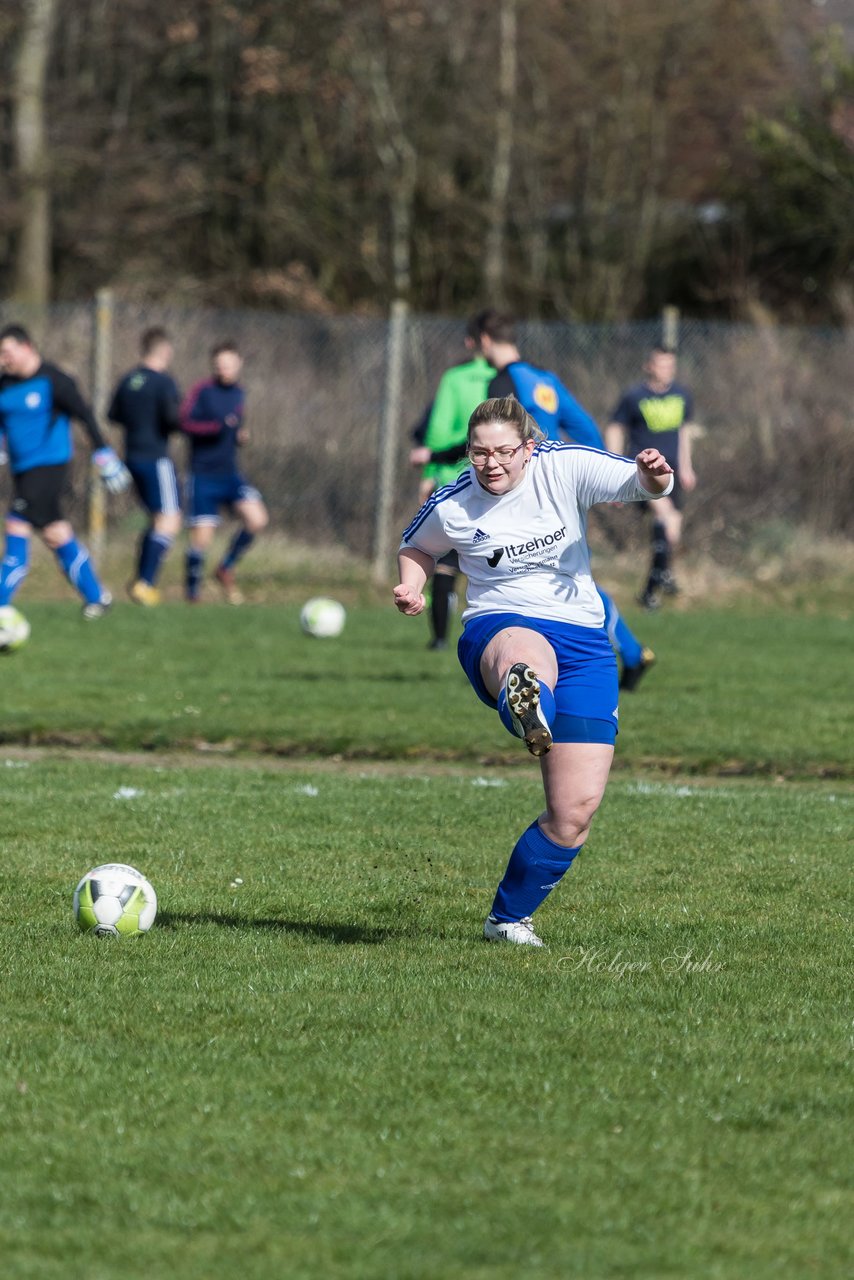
(519, 931)
(522, 688)
(98, 608)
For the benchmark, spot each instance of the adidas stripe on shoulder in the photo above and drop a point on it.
(447, 491)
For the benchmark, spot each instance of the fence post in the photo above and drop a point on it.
(670, 328)
(388, 437)
(102, 356)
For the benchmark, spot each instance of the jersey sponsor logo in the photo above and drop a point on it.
(479, 536)
(663, 413)
(32, 399)
(524, 550)
(545, 397)
(137, 382)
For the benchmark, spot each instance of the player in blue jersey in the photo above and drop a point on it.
(656, 414)
(533, 643)
(212, 417)
(560, 417)
(37, 403)
(146, 403)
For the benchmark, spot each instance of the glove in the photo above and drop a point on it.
(114, 473)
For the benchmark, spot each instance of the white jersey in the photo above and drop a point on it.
(526, 551)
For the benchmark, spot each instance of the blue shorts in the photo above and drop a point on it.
(207, 493)
(586, 693)
(156, 484)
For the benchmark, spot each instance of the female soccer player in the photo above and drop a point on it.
(533, 643)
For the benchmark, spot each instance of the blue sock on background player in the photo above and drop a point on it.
(536, 866)
(77, 568)
(14, 566)
(195, 568)
(151, 552)
(240, 544)
(547, 703)
(626, 645)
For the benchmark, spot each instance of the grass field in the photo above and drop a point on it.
(313, 1066)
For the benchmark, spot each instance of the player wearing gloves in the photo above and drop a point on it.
(37, 403)
(533, 644)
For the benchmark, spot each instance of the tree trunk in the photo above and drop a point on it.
(494, 259)
(32, 276)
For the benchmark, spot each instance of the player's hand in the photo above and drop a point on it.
(114, 473)
(419, 456)
(408, 600)
(653, 470)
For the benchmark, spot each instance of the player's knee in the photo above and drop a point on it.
(57, 534)
(256, 519)
(168, 524)
(569, 824)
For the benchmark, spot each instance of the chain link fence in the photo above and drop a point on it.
(331, 414)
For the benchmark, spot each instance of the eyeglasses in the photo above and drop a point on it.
(505, 454)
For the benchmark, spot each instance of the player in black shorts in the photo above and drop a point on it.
(37, 403)
(654, 414)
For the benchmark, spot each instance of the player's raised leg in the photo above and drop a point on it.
(519, 670)
(254, 518)
(76, 564)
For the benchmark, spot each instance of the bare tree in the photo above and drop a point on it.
(32, 272)
(495, 257)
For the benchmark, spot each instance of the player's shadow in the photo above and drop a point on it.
(346, 934)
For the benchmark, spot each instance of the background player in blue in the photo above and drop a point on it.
(560, 417)
(146, 403)
(37, 403)
(655, 414)
(212, 417)
(533, 644)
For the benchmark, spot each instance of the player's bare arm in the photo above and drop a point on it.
(415, 567)
(615, 438)
(687, 475)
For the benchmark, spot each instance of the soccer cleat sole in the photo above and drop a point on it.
(523, 698)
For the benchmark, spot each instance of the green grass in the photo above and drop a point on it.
(731, 691)
(313, 1066)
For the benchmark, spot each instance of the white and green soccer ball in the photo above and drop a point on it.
(322, 617)
(115, 901)
(14, 629)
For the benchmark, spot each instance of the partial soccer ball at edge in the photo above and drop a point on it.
(14, 629)
(115, 901)
(322, 617)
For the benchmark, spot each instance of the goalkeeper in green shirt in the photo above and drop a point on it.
(443, 456)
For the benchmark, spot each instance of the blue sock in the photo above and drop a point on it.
(547, 702)
(77, 568)
(626, 646)
(13, 568)
(536, 866)
(194, 572)
(240, 544)
(151, 552)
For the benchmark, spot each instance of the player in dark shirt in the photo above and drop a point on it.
(37, 403)
(146, 403)
(654, 414)
(212, 417)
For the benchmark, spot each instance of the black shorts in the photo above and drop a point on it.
(39, 493)
(449, 561)
(676, 496)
